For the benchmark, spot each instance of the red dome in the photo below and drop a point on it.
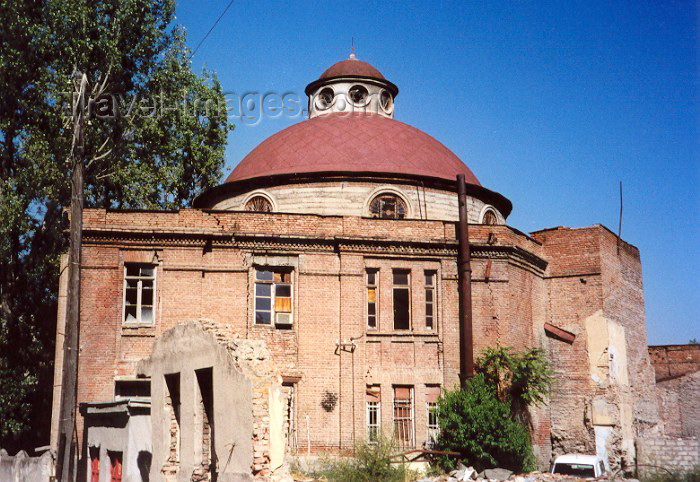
(351, 68)
(356, 143)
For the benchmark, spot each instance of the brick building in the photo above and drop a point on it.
(333, 242)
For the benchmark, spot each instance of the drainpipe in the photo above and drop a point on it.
(466, 341)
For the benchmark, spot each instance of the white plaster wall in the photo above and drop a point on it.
(344, 198)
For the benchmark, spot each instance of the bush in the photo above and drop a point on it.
(475, 423)
(372, 462)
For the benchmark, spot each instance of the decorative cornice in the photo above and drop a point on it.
(268, 242)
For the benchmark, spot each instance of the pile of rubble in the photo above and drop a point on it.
(469, 474)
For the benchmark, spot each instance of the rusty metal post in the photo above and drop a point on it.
(466, 341)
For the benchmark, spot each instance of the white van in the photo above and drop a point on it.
(579, 465)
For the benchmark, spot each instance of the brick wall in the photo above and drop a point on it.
(673, 454)
(205, 263)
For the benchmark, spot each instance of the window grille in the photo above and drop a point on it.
(387, 206)
(403, 417)
(373, 408)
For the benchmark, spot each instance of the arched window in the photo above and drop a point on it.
(387, 206)
(490, 217)
(258, 204)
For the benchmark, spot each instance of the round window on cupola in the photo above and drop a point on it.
(358, 94)
(324, 99)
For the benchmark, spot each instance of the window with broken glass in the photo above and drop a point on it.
(372, 298)
(273, 297)
(139, 293)
(402, 299)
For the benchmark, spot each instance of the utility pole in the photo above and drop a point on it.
(67, 435)
(466, 341)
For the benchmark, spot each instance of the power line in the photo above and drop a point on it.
(212, 28)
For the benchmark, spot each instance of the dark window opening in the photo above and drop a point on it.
(207, 468)
(402, 300)
(403, 417)
(289, 389)
(172, 407)
(128, 389)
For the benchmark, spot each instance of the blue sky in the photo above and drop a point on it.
(550, 103)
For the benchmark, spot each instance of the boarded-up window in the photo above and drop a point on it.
(139, 293)
(373, 408)
(403, 417)
(273, 297)
(402, 299)
(372, 298)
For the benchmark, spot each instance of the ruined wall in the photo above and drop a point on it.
(23, 468)
(604, 376)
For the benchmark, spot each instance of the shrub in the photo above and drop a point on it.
(372, 462)
(475, 423)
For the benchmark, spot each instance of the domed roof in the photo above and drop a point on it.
(351, 143)
(351, 68)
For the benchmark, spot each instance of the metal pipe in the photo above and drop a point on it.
(466, 341)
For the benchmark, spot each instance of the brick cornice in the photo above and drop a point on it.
(267, 242)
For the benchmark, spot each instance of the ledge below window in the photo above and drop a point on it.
(138, 329)
(402, 335)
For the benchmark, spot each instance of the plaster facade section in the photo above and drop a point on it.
(345, 198)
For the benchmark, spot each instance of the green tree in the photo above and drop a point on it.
(162, 143)
(475, 423)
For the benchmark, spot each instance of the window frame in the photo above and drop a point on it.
(273, 295)
(407, 287)
(411, 417)
(373, 429)
(432, 288)
(382, 196)
(369, 286)
(139, 294)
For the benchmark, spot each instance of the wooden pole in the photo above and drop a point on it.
(67, 435)
(466, 342)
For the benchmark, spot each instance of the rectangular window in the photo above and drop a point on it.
(373, 408)
(273, 297)
(430, 300)
(402, 299)
(139, 293)
(403, 417)
(372, 291)
(432, 393)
